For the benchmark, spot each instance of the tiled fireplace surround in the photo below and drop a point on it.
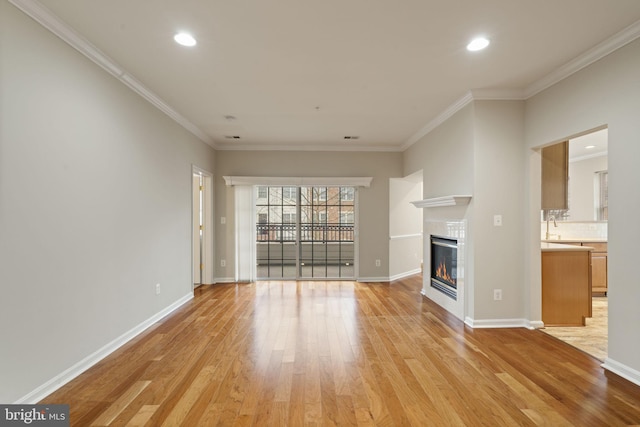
(446, 217)
(453, 228)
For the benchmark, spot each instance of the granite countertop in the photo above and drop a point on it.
(546, 246)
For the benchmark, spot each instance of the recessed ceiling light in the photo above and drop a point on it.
(185, 39)
(589, 147)
(478, 43)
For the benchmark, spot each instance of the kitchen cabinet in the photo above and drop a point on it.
(599, 261)
(555, 176)
(566, 284)
(599, 264)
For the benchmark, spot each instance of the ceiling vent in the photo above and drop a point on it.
(232, 136)
(351, 137)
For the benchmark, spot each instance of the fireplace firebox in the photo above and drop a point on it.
(444, 265)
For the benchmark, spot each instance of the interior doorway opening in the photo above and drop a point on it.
(583, 221)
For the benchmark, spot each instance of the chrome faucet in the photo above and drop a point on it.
(550, 218)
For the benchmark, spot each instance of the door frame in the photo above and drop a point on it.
(202, 252)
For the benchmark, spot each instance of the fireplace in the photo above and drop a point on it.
(444, 265)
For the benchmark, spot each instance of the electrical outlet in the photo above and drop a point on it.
(223, 263)
(497, 294)
(497, 220)
(157, 288)
(223, 220)
(378, 263)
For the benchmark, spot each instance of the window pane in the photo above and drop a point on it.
(347, 194)
(290, 195)
(602, 198)
(275, 195)
(333, 195)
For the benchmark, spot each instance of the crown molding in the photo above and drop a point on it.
(39, 13)
(310, 147)
(471, 95)
(301, 181)
(592, 55)
(441, 118)
(497, 94)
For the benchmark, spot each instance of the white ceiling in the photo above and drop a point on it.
(593, 144)
(304, 74)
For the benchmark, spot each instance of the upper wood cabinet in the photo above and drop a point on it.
(555, 176)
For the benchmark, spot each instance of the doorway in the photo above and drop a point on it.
(305, 232)
(202, 221)
(585, 222)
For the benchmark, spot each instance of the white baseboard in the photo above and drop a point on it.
(622, 370)
(535, 324)
(225, 280)
(405, 274)
(64, 377)
(373, 279)
(498, 323)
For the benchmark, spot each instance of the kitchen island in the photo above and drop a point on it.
(599, 261)
(566, 284)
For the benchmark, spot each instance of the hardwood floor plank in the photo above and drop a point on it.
(445, 413)
(296, 402)
(285, 380)
(543, 411)
(118, 406)
(341, 353)
(377, 400)
(142, 416)
(312, 391)
(328, 397)
(188, 398)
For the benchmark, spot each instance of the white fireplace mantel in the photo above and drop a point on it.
(437, 202)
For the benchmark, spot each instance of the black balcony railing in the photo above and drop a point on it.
(286, 232)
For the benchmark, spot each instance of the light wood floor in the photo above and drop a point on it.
(342, 353)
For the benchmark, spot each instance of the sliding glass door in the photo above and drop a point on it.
(305, 232)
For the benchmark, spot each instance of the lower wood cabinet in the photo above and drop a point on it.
(599, 262)
(599, 270)
(566, 288)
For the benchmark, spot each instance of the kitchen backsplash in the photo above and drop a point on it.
(574, 230)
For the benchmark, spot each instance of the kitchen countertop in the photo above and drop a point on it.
(546, 246)
(593, 240)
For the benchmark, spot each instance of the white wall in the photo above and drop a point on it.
(405, 226)
(445, 156)
(499, 163)
(605, 93)
(581, 187)
(95, 207)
